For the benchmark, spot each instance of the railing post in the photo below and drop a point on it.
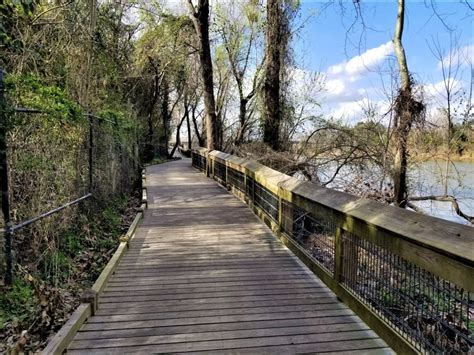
(208, 165)
(211, 166)
(227, 185)
(4, 182)
(91, 142)
(338, 255)
(280, 213)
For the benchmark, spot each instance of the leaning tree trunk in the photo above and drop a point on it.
(200, 17)
(407, 111)
(188, 125)
(271, 86)
(178, 136)
(403, 118)
(199, 137)
(242, 120)
(165, 116)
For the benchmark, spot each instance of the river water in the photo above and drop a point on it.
(427, 178)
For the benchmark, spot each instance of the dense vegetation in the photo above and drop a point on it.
(224, 75)
(49, 71)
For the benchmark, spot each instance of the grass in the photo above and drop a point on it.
(17, 304)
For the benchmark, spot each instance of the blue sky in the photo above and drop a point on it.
(326, 43)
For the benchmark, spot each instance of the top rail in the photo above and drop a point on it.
(399, 270)
(23, 224)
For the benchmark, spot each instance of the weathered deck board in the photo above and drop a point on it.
(203, 274)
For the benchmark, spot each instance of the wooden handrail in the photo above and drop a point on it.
(433, 240)
(442, 248)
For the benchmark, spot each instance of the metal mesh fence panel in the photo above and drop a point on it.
(430, 311)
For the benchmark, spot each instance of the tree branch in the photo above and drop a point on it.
(445, 198)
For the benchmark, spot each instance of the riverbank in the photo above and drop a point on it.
(423, 157)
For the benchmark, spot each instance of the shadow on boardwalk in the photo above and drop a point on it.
(203, 274)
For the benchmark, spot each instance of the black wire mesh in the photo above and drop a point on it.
(266, 200)
(220, 171)
(236, 179)
(432, 312)
(199, 162)
(249, 188)
(315, 235)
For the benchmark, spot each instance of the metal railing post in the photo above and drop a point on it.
(338, 255)
(91, 142)
(4, 181)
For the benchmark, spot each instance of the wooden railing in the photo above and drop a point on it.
(409, 276)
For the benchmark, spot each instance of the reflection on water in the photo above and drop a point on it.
(425, 179)
(429, 179)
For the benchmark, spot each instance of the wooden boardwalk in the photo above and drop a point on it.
(203, 274)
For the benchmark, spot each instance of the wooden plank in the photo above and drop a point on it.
(207, 285)
(203, 290)
(186, 246)
(221, 319)
(212, 300)
(189, 307)
(212, 327)
(203, 261)
(230, 344)
(359, 347)
(153, 315)
(60, 341)
(221, 335)
(213, 295)
(112, 265)
(174, 276)
(232, 270)
(210, 251)
(376, 351)
(99, 284)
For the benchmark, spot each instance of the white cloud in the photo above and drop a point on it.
(343, 79)
(362, 63)
(437, 91)
(335, 87)
(349, 110)
(353, 111)
(436, 98)
(458, 57)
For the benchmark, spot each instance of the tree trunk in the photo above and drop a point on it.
(165, 118)
(242, 119)
(90, 56)
(271, 86)
(149, 152)
(196, 128)
(178, 129)
(4, 183)
(403, 113)
(200, 17)
(188, 125)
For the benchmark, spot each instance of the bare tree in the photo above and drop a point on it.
(240, 36)
(273, 65)
(407, 111)
(450, 62)
(200, 18)
(452, 101)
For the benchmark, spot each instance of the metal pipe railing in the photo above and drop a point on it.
(23, 224)
(10, 229)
